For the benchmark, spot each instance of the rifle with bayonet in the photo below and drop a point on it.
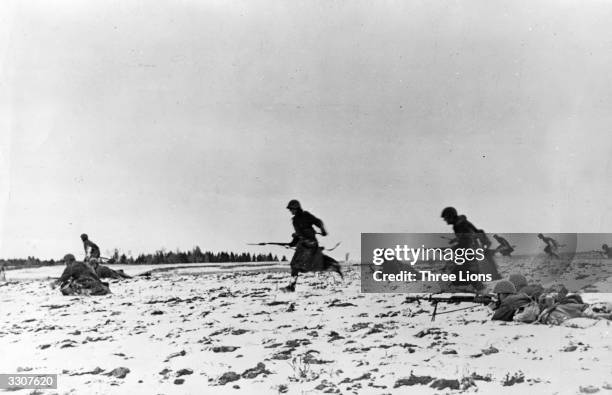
(270, 243)
(288, 245)
(434, 299)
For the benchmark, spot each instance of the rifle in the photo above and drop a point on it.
(452, 299)
(102, 258)
(286, 245)
(269, 243)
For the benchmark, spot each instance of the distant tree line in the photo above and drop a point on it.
(29, 262)
(196, 255)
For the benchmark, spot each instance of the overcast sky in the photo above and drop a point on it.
(181, 123)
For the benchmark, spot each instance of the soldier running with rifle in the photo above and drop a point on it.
(308, 256)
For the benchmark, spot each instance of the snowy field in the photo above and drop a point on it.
(48, 272)
(220, 333)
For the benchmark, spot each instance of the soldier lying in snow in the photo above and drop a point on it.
(106, 272)
(508, 301)
(557, 306)
(79, 278)
(532, 303)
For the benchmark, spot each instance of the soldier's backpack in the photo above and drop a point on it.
(528, 313)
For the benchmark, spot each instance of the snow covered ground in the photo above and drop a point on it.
(48, 272)
(194, 333)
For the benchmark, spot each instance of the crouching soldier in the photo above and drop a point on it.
(79, 278)
(92, 251)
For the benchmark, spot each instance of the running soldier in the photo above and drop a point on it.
(606, 251)
(504, 247)
(468, 236)
(308, 256)
(551, 246)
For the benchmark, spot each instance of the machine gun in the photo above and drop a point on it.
(452, 299)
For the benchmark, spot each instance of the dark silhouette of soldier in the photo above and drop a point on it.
(468, 236)
(79, 278)
(606, 251)
(92, 251)
(504, 247)
(308, 256)
(551, 245)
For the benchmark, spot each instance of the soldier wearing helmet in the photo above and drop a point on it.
(508, 300)
(504, 288)
(92, 251)
(518, 280)
(79, 278)
(504, 246)
(307, 252)
(450, 215)
(303, 223)
(521, 286)
(69, 259)
(468, 236)
(552, 246)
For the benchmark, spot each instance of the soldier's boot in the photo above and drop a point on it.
(338, 270)
(291, 286)
(288, 288)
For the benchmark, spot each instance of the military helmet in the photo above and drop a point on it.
(449, 212)
(540, 235)
(294, 204)
(518, 280)
(504, 287)
(84, 237)
(69, 258)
